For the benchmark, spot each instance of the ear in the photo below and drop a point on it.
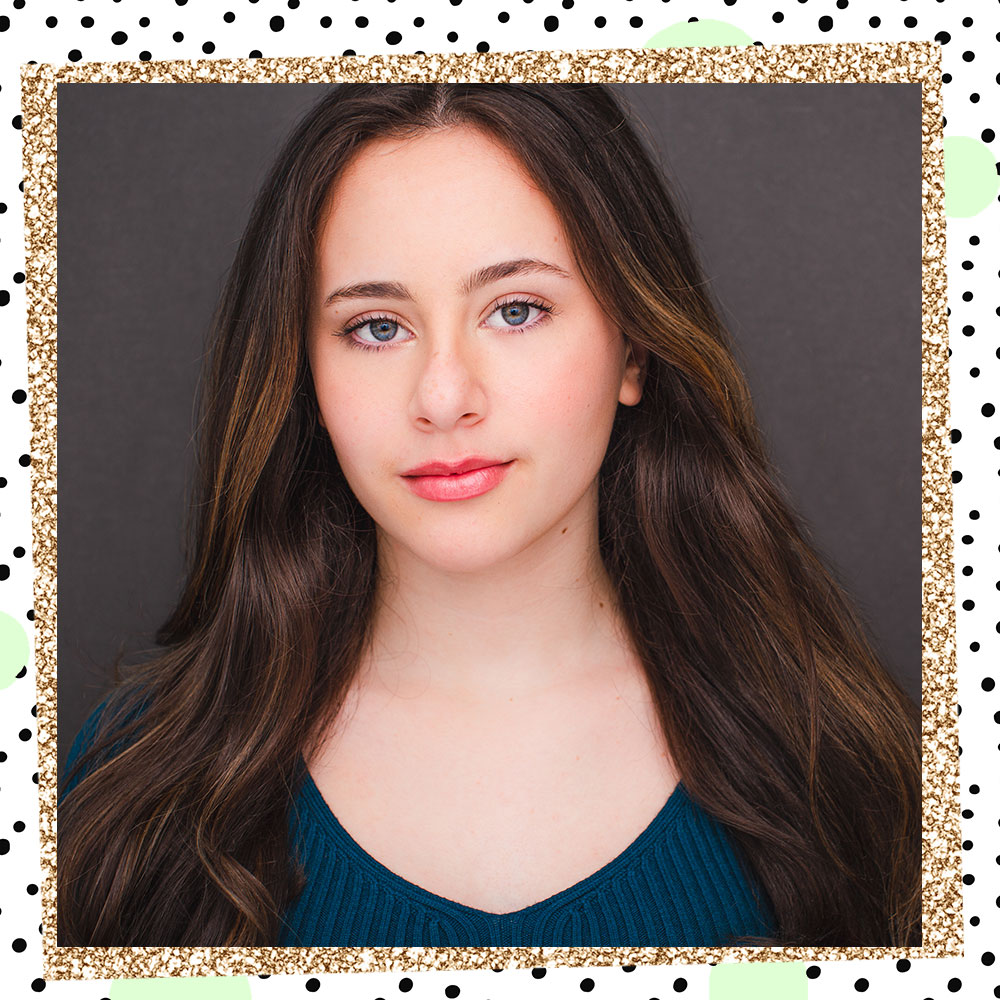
(636, 357)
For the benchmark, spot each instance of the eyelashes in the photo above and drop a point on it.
(516, 314)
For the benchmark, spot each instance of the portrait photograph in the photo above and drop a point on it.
(489, 515)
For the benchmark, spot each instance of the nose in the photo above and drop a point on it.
(449, 390)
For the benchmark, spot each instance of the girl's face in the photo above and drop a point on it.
(451, 330)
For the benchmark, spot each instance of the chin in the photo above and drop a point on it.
(475, 550)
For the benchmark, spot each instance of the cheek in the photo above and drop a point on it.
(576, 394)
(352, 419)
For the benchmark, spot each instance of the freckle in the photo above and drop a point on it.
(563, 531)
(601, 603)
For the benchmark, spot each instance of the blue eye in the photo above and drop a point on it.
(516, 313)
(373, 332)
(382, 329)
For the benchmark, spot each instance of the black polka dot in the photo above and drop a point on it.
(394, 37)
(87, 22)
(861, 985)
(903, 965)
(482, 46)
(325, 21)
(813, 972)
(18, 551)
(208, 48)
(74, 55)
(988, 409)
(361, 22)
(405, 984)
(825, 23)
(599, 22)
(38, 985)
(954, 985)
(277, 22)
(51, 22)
(586, 985)
(178, 36)
(451, 991)
(24, 461)
(874, 22)
(503, 17)
(312, 985)
(987, 135)
(19, 944)
(18, 826)
(4, 846)
(143, 22)
(777, 17)
(4, 22)
(119, 38)
(537, 973)
(680, 985)
(16, 122)
(628, 968)
(551, 22)
(636, 22)
(988, 958)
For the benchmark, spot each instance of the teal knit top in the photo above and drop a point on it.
(681, 882)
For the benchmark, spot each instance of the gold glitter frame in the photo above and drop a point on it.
(910, 62)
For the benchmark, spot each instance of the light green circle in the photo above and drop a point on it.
(14, 649)
(970, 176)
(758, 981)
(706, 32)
(182, 988)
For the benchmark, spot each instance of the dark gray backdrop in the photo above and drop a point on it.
(806, 203)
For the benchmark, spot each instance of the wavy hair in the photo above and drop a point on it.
(781, 720)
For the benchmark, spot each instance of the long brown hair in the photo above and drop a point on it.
(781, 720)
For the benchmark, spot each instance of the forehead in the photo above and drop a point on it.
(450, 193)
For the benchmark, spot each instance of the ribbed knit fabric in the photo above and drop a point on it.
(678, 883)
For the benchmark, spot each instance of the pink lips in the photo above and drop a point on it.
(456, 480)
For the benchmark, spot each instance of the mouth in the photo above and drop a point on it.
(444, 481)
(469, 464)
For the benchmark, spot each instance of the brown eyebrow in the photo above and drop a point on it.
(484, 276)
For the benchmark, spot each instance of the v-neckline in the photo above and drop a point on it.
(676, 802)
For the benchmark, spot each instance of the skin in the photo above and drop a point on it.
(499, 679)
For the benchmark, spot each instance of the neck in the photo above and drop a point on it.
(545, 617)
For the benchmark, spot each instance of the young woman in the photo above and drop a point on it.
(497, 629)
